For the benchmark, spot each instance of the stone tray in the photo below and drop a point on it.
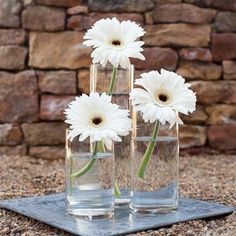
(51, 210)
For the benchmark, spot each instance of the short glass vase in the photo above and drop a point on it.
(89, 180)
(154, 189)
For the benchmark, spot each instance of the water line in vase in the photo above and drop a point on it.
(89, 165)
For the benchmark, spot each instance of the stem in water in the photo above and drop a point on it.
(89, 165)
(149, 151)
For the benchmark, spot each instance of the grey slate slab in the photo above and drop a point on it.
(51, 210)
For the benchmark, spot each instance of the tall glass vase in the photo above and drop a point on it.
(89, 179)
(154, 177)
(117, 83)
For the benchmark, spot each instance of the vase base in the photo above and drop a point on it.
(122, 201)
(153, 209)
(90, 214)
(124, 198)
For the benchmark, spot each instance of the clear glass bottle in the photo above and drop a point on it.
(89, 193)
(101, 80)
(157, 190)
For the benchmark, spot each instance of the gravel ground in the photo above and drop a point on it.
(203, 177)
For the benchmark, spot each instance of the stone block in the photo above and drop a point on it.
(195, 54)
(48, 152)
(52, 107)
(225, 22)
(10, 134)
(200, 70)
(10, 13)
(192, 136)
(58, 50)
(219, 4)
(222, 137)
(57, 82)
(18, 97)
(12, 57)
(83, 81)
(77, 10)
(157, 58)
(19, 150)
(44, 133)
(120, 6)
(84, 22)
(229, 68)
(60, 3)
(43, 18)
(224, 46)
(221, 114)
(209, 92)
(12, 37)
(188, 13)
(178, 35)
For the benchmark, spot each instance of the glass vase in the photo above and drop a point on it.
(154, 189)
(89, 193)
(102, 80)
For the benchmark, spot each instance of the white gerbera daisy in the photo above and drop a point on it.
(162, 96)
(114, 42)
(96, 117)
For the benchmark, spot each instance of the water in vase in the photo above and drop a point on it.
(158, 190)
(91, 194)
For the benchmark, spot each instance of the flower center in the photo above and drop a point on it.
(162, 97)
(97, 120)
(116, 42)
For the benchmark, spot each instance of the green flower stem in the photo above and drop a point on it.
(101, 147)
(117, 190)
(89, 165)
(113, 81)
(110, 91)
(149, 151)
